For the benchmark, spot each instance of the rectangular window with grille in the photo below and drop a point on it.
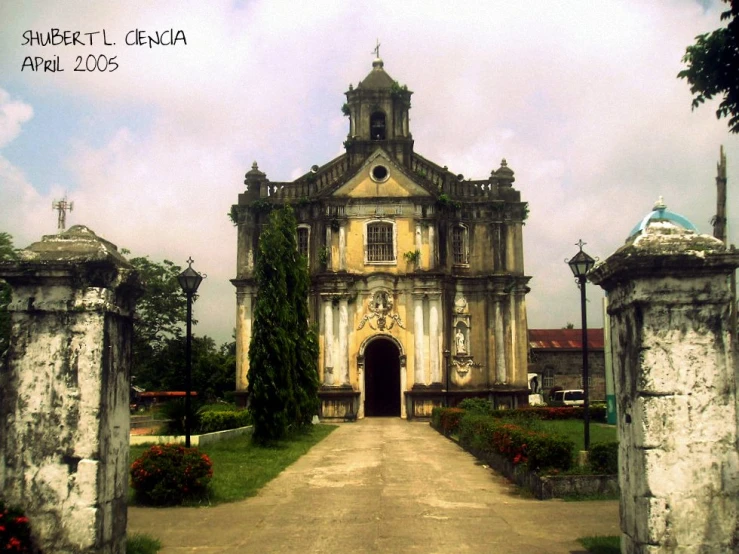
(548, 380)
(459, 247)
(380, 242)
(303, 241)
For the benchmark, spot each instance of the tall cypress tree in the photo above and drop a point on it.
(272, 348)
(305, 370)
(283, 355)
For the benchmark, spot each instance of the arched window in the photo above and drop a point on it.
(379, 238)
(460, 247)
(377, 126)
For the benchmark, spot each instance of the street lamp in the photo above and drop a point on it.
(580, 264)
(446, 363)
(189, 281)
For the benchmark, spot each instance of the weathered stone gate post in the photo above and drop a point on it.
(676, 377)
(64, 391)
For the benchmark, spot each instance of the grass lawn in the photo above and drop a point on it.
(241, 468)
(601, 545)
(574, 430)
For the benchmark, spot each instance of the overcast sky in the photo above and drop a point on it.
(580, 97)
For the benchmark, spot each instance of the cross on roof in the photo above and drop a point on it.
(376, 50)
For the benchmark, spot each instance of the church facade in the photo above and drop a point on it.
(417, 275)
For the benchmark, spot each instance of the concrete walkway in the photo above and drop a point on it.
(382, 485)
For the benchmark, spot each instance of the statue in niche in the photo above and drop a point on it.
(459, 341)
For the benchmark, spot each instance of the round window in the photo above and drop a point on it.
(379, 173)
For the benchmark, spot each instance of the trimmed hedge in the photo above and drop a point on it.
(604, 457)
(210, 422)
(539, 451)
(597, 413)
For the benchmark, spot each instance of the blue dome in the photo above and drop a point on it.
(661, 213)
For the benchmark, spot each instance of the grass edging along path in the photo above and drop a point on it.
(241, 468)
(601, 545)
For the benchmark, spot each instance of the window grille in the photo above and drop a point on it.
(459, 244)
(380, 242)
(303, 241)
(548, 381)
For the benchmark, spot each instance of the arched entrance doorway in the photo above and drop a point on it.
(382, 379)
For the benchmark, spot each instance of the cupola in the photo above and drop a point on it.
(378, 116)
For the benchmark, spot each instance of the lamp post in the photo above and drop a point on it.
(446, 363)
(189, 281)
(580, 264)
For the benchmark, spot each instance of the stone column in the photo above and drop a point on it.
(418, 243)
(419, 358)
(343, 340)
(64, 397)
(342, 247)
(244, 314)
(676, 376)
(434, 336)
(328, 342)
(432, 248)
(500, 358)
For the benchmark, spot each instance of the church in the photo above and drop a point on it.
(417, 275)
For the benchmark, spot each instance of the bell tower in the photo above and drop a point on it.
(378, 117)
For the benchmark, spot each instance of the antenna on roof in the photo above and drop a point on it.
(62, 206)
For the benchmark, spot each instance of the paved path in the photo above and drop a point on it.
(382, 485)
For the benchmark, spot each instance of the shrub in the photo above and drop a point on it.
(170, 474)
(450, 419)
(446, 420)
(476, 406)
(210, 422)
(15, 531)
(604, 457)
(538, 450)
(174, 412)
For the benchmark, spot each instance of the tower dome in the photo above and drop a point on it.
(660, 214)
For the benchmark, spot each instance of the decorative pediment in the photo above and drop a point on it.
(380, 176)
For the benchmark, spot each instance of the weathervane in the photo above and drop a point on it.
(377, 49)
(62, 206)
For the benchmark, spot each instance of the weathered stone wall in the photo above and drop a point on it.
(676, 375)
(64, 392)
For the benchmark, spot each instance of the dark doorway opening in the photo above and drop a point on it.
(382, 379)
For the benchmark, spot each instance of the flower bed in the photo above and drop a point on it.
(530, 458)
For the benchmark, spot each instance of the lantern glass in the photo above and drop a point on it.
(189, 280)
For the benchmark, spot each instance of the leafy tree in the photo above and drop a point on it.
(7, 252)
(713, 67)
(160, 312)
(283, 354)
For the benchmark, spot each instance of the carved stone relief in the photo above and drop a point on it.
(380, 309)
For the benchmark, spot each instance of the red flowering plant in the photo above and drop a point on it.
(15, 531)
(168, 474)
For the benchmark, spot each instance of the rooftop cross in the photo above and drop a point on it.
(62, 206)
(580, 243)
(377, 49)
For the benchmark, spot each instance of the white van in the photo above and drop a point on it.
(571, 397)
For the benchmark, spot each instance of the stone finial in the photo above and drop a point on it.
(660, 204)
(253, 177)
(504, 174)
